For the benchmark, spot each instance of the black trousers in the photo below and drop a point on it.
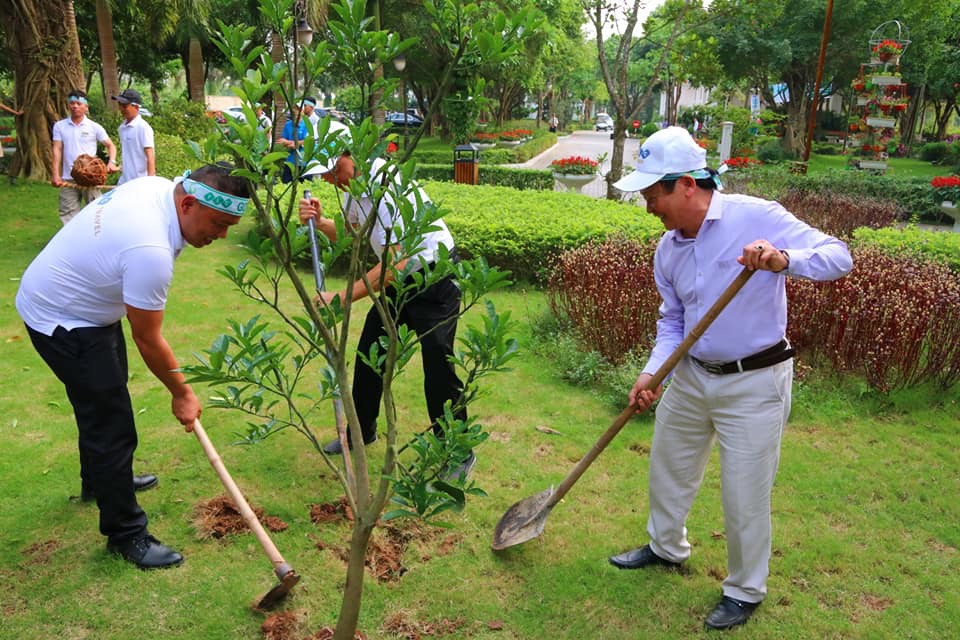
(424, 313)
(91, 362)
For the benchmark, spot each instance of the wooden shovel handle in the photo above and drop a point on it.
(280, 567)
(657, 379)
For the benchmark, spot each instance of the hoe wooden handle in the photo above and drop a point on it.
(280, 567)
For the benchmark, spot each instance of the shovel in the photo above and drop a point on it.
(526, 519)
(288, 577)
(319, 279)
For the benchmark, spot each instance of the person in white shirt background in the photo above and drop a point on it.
(74, 136)
(137, 156)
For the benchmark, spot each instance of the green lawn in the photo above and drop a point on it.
(866, 516)
(896, 167)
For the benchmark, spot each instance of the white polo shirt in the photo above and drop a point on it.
(119, 250)
(77, 139)
(135, 136)
(388, 217)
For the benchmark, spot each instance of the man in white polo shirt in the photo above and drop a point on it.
(115, 259)
(136, 139)
(72, 137)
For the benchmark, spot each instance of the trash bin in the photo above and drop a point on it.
(466, 164)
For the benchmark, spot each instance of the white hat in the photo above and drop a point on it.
(319, 167)
(668, 152)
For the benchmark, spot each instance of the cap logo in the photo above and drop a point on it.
(644, 153)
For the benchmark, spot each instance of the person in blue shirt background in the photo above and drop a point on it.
(293, 140)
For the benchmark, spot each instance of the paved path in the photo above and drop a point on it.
(585, 143)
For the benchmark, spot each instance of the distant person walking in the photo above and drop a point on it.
(136, 139)
(72, 137)
(554, 123)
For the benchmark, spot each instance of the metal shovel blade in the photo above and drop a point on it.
(523, 521)
(278, 593)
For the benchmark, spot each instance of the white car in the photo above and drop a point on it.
(603, 123)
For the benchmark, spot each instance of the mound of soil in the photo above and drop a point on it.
(219, 517)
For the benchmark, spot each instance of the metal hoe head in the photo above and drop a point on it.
(523, 521)
(278, 593)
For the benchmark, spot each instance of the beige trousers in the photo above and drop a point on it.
(745, 413)
(73, 199)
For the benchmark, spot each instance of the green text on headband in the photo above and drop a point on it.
(207, 195)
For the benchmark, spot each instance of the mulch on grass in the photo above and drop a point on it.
(40, 552)
(401, 626)
(219, 517)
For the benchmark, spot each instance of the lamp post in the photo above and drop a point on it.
(400, 63)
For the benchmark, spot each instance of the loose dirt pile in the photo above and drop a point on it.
(219, 517)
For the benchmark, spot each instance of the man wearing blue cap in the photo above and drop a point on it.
(734, 386)
(115, 260)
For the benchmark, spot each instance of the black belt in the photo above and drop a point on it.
(766, 358)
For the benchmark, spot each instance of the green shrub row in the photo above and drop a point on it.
(523, 231)
(534, 179)
(941, 247)
(913, 195)
(536, 145)
(171, 154)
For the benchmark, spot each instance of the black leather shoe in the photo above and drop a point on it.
(140, 483)
(333, 447)
(729, 613)
(460, 471)
(640, 558)
(146, 552)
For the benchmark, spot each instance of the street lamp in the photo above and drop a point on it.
(400, 63)
(304, 32)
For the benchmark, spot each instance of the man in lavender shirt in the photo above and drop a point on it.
(734, 386)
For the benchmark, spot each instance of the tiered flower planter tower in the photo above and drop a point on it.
(881, 98)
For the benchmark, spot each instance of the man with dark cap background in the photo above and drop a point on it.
(137, 157)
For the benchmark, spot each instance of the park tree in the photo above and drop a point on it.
(270, 371)
(770, 42)
(618, 63)
(44, 50)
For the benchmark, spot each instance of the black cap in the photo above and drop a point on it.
(129, 96)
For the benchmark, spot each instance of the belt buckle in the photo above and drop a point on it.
(711, 367)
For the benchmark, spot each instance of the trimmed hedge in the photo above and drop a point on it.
(534, 179)
(913, 195)
(942, 247)
(523, 231)
(497, 155)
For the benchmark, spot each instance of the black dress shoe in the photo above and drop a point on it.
(146, 552)
(729, 613)
(333, 447)
(140, 483)
(459, 472)
(640, 558)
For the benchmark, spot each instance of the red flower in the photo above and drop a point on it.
(577, 165)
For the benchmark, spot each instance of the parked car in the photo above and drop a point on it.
(399, 120)
(604, 122)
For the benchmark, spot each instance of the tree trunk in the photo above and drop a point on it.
(44, 51)
(108, 55)
(616, 158)
(195, 71)
(353, 590)
(943, 118)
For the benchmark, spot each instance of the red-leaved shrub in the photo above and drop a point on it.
(607, 291)
(894, 319)
(839, 214)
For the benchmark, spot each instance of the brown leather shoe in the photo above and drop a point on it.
(730, 612)
(639, 559)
